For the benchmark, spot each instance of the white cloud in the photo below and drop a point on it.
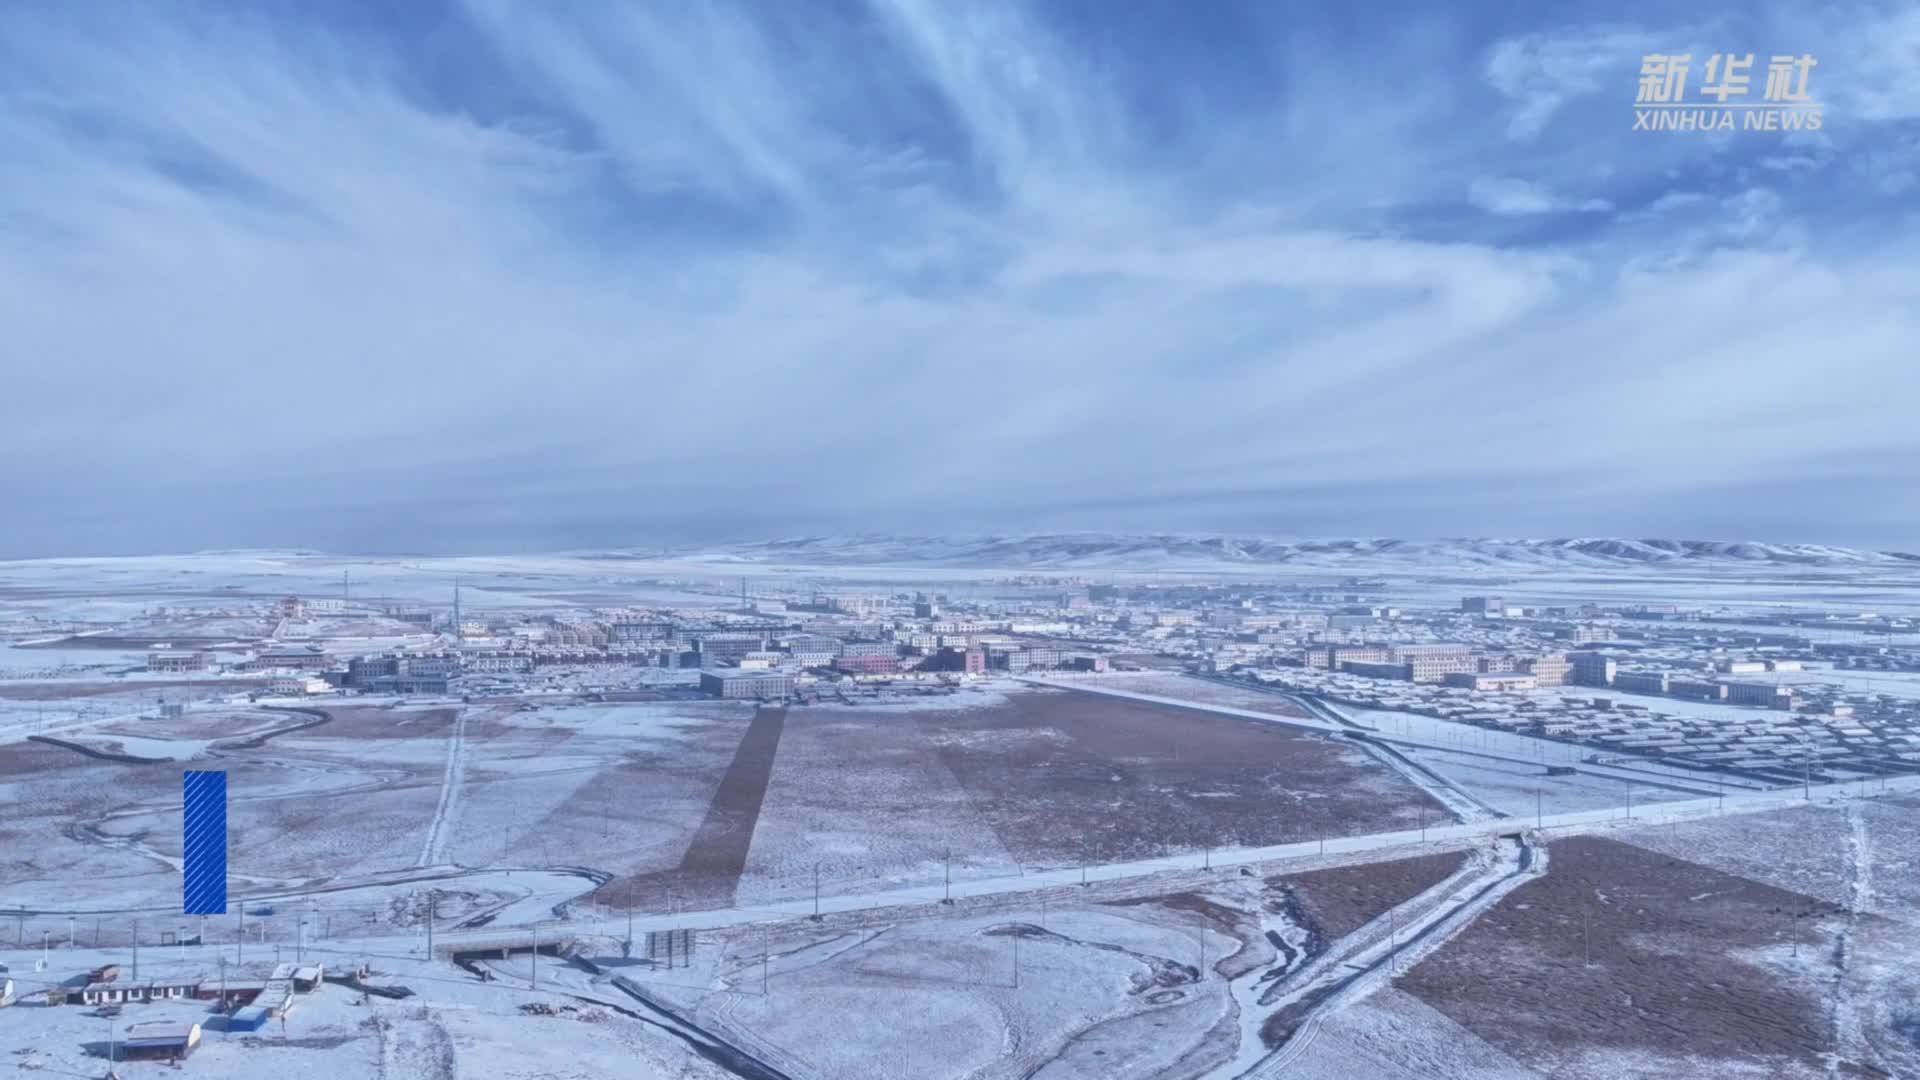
(1506, 196)
(1676, 200)
(1541, 72)
(1876, 70)
(678, 271)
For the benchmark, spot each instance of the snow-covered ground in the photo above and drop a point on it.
(17, 662)
(1018, 992)
(824, 807)
(453, 1026)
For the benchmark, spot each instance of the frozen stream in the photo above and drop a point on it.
(1254, 992)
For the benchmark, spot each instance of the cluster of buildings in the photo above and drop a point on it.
(249, 1003)
(803, 643)
(1452, 663)
(1764, 744)
(766, 649)
(271, 996)
(1475, 668)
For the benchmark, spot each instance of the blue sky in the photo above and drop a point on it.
(489, 275)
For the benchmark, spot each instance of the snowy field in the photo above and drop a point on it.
(1506, 771)
(357, 835)
(117, 589)
(1522, 792)
(453, 1026)
(343, 808)
(18, 662)
(1017, 993)
(1044, 779)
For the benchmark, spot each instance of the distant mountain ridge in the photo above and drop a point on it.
(1119, 551)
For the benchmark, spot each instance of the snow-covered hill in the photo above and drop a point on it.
(1146, 552)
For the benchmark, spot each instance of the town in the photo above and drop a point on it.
(1761, 697)
(467, 803)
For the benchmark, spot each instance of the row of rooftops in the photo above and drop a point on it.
(1758, 738)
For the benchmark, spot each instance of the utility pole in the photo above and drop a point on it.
(533, 958)
(765, 946)
(136, 949)
(629, 912)
(432, 896)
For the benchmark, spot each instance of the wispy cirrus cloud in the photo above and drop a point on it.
(499, 274)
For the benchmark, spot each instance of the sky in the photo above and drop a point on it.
(490, 276)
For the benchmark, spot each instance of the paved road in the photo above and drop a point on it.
(1469, 833)
(1320, 851)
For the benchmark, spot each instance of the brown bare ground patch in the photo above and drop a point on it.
(1665, 977)
(1210, 691)
(1076, 778)
(1342, 899)
(51, 796)
(716, 855)
(368, 722)
(26, 758)
(57, 691)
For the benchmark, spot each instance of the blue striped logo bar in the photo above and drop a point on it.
(203, 843)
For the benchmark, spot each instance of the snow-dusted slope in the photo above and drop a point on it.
(1102, 550)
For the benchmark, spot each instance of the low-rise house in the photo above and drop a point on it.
(162, 1040)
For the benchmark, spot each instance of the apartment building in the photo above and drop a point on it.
(1432, 663)
(1593, 669)
(1764, 694)
(1548, 669)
